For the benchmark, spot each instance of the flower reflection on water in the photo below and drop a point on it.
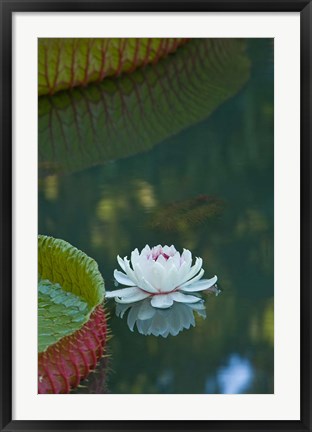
(160, 322)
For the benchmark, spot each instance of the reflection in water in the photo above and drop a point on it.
(236, 377)
(186, 213)
(122, 117)
(96, 383)
(160, 322)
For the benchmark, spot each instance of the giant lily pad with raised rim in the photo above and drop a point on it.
(71, 319)
(125, 116)
(65, 63)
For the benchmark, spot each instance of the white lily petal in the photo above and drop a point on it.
(162, 261)
(124, 292)
(135, 256)
(162, 301)
(193, 271)
(172, 250)
(170, 281)
(194, 279)
(155, 251)
(146, 286)
(129, 271)
(176, 259)
(123, 279)
(183, 271)
(138, 271)
(135, 297)
(155, 275)
(201, 285)
(146, 250)
(121, 263)
(187, 256)
(142, 282)
(184, 298)
(167, 250)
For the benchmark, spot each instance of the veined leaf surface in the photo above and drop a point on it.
(69, 288)
(64, 63)
(125, 116)
(60, 313)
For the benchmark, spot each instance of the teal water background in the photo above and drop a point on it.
(183, 129)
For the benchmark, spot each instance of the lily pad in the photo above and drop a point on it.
(60, 313)
(65, 63)
(70, 287)
(125, 116)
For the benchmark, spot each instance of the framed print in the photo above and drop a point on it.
(156, 189)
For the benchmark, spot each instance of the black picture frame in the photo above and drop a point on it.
(7, 10)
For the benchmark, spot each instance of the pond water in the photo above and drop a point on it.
(180, 153)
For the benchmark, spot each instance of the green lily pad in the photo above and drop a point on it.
(59, 313)
(125, 116)
(70, 287)
(64, 63)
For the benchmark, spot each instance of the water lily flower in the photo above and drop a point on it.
(162, 274)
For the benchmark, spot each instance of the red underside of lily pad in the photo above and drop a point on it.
(63, 365)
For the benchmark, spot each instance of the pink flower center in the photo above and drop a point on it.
(157, 253)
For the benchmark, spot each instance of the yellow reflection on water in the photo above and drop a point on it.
(268, 323)
(106, 209)
(145, 195)
(262, 327)
(50, 187)
(252, 222)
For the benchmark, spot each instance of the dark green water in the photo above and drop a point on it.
(122, 164)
